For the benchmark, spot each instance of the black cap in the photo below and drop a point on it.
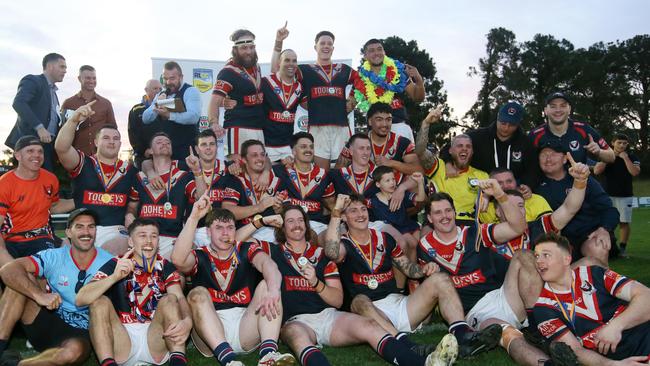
(512, 113)
(554, 145)
(556, 95)
(27, 140)
(82, 212)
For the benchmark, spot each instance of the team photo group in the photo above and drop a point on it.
(324, 237)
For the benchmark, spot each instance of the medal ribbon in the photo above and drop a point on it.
(357, 185)
(286, 97)
(383, 147)
(249, 182)
(568, 314)
(233, 259)
(168, 186)
(327, 74)
(369, 261)
(288, 254)
(102, 175)
(477, 204)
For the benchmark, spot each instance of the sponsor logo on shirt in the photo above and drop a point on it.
(297, 283)
(468, 279)
(241, 297)
(327, 91)
(158, 211)
(362, 279)
(104, 199)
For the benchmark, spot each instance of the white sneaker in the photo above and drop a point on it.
(446, 352)
(235, 363)
(277, 359)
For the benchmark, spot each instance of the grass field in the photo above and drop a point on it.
(638, 249)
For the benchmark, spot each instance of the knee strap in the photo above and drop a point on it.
(509, 334)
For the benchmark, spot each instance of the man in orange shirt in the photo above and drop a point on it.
(28, 194)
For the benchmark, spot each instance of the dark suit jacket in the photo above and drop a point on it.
(32, 103)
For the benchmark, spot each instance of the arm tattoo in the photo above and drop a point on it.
(427, 158)
(333, 246)
(410, 269)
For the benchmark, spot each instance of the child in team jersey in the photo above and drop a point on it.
(384, 178)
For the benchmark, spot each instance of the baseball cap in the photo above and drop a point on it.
(27, 141)
(556, 95)
(512, 113)
(81, 212)
(554, 145)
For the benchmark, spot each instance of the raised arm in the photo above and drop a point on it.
(67, 154)
(415, 90)
(96, 288)
(427, 158)
(515, 223)
(182, 257)
(280, 36)
(334, 249)
(573, 201)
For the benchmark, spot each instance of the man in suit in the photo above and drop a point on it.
(37, 106)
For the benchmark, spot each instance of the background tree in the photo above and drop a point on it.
(501, 58)
(635, 59)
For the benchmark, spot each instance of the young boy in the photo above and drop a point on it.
(384, 178)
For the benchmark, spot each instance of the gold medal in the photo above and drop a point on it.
(106, 198)
(373, 284)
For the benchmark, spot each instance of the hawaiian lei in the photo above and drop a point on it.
(372, 88)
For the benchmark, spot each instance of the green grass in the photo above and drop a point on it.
(634, 267)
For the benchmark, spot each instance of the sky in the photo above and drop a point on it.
(119, 38)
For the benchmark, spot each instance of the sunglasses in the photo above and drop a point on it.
(81, 279)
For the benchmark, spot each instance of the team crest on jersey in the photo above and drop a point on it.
(587, 287)
(574, 145)
(516, 156)
(391, 151)
(317, 179)
(48, 189)
(380, 248)
(431, 252)
(63, 281)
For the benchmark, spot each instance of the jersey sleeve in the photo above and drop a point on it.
(74, 172)
(251, 250)
(55, 189)
(43, 261)
(487, 235)
(190, 189)
(612, 281)
(409, 200)
(395, 250)
(172, 276)
(224, 84)
(635, 159)
(602, 143)
(106, 270)
(331, 270)
(5, 197)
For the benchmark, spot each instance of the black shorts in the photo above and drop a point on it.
(49, 331)
(19, 249)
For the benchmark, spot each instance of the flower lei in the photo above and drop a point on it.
(372, 88)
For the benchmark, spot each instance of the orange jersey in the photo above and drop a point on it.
(25, 204)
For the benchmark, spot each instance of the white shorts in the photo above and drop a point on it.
(237, 135)
(493, 305)
(230, 320)
(377, 225)
(140, 354)
(403, 129)
(278, 153)
(201, 238)
(394, 307)
(166, 246)
(265, 233)
(317, 226)
(624, 207)
(329, 140)
(105, 234)
(321, 323)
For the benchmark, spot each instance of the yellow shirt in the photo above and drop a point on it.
(463, 194)
(536, 206)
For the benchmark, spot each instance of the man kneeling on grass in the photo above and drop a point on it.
(144, 317)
